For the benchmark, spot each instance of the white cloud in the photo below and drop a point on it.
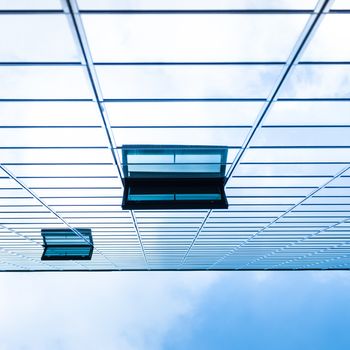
(123, 311)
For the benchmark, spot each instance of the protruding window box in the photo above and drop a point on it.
(174, 177)
(65, 244)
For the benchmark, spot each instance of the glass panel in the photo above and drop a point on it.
(48, 216)
(83, 201)
(30, 5)
(151, 197)
(328, 200)
(164, 214)
(55, 156)
(68, 208)
(202, 81)
(169, 161)
(71, 182)
(183, 113)
(265, 201)
(318, 81)
(49, 113)
(148, 158)
(231, 154)
(182, 136)
(174, 168)
(36, 38)
(57, 253)
(198, 158)
(66, 237)
(347, 173)
(341, 181)
(252, 192)
(337, 5)
(18, 192)
(192, 38)
(288, 169)
(198, 196)
(52, 137)
(196, 4)
(25, 201)
(63, 170)
(309, 113)
(23, 209)
(329, 41)
(283, 181)
(337, 136)
(43, 83)
(303, 155)
(7, 182)
(331, 207)
(334, 192)
(75, 192)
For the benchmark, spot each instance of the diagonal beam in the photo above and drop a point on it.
(136, 227)
(311, 26)
(72, 10)
(18, 254)
(346, 220)
(78, 29)
(336, 176)
(34, 195)
(195, 238)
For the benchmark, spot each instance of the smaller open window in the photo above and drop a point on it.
(66, 244)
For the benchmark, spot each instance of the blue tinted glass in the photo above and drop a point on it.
(171, 161)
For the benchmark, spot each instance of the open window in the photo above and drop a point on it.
(174, 177)
(65, 244)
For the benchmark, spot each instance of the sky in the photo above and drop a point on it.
(175, 310)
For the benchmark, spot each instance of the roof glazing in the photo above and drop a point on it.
(269, 80)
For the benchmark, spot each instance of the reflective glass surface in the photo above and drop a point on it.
(267, 80)
(192, 38)
(187, 81)
(195, 4)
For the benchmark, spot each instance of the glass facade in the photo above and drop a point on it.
(266, 80)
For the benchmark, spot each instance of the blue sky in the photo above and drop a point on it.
(185, 310)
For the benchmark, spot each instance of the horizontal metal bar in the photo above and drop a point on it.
(89, 268)
(214, 99)
(67, 177)
(46, 100)
(54, 147)
(341, 11)
(38, 63)
(194, 11)
(271, 187)
(71, 188)
(307, 126)
(56, 164)
(300, 147)
(181, 127)
(291, 163)
(281, 176)
(324, 62)
(164, 100)
(313, 99)
(191, 63)
(166, 63)
(50, 127)
(31, 12)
